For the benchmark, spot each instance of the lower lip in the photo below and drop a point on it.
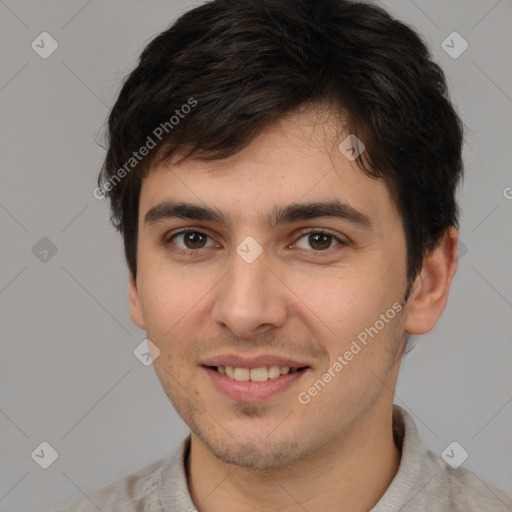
(249, 391)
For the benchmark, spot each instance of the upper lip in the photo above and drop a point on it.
(237, 361)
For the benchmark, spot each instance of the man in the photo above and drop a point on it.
(283, 173)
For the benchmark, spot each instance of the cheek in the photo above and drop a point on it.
(173, 306)
(340, 299)
(167, 296)
(346, 306)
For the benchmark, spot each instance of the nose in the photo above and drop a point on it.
(251, 299)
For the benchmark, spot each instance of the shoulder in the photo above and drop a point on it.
(462, 490)
(133, 492)
(426, 483)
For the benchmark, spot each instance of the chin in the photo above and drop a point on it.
(251, 448)
(251, 456)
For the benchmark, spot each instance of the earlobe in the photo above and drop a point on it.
(431, 287)
(136, 312)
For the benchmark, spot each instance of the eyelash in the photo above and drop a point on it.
(197, 252)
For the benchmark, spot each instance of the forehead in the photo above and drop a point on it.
(295, 160)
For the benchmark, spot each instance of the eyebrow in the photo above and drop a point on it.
(279, 215)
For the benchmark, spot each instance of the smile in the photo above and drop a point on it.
(253, 384)
(260, 374)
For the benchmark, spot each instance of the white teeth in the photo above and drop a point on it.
(241, 374)
(273, 372)
(260, 374)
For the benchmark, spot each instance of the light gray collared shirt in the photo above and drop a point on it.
(423, 483)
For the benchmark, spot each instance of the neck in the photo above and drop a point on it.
(350, 474)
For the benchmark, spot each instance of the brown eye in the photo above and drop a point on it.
(190, 240)
(318, 241)
(194, 240)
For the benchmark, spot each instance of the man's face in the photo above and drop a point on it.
(209, 297)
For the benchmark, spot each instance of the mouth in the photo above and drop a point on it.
(260, 374)
(256, 384)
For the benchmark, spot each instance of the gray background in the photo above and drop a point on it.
(68, 374)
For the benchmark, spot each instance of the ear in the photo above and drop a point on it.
(135, 304)
(429, 293)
